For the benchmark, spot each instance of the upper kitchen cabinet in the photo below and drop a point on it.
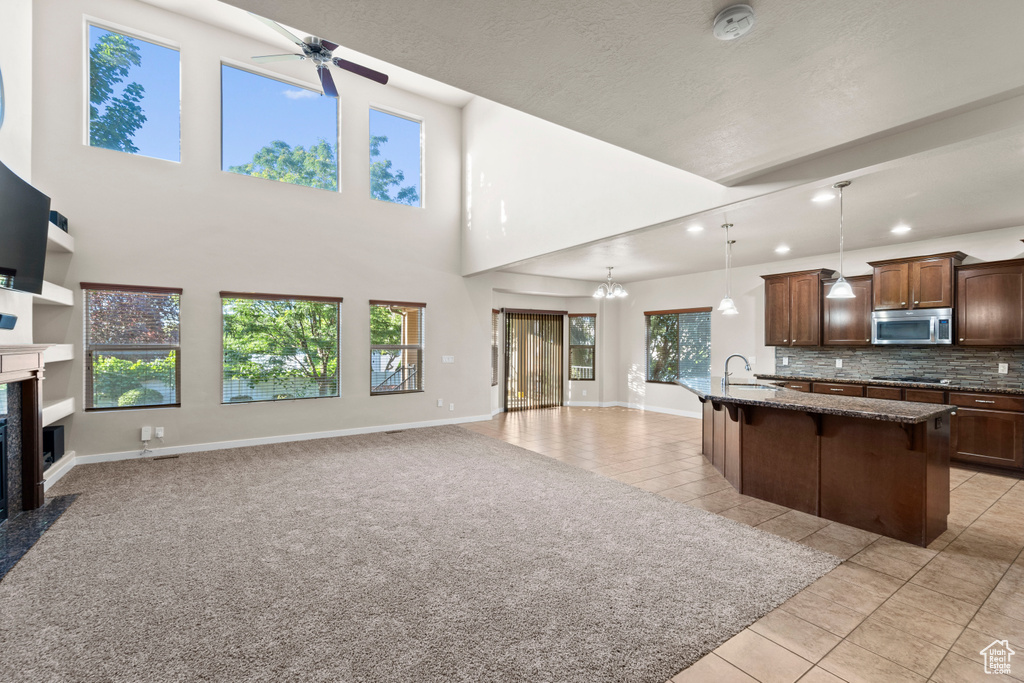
(792, 308)
(847, 322)
(990, 303)
(919, 282)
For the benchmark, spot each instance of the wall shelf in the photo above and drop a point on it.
(54, 295)
(56, 410)
(59, 241)
(58, 353)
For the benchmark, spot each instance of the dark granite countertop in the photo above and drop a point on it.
(1013, 388)
(846, 406)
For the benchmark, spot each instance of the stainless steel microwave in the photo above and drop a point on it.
(923, 326)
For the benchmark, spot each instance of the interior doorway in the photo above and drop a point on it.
(533, 359)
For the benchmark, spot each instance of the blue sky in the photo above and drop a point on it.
(258, 110)
(402, 147)
(160, 75)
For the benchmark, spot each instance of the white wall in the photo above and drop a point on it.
(744, 333)
(151, 222)
(533, 187)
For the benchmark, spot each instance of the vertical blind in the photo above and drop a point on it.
(533, 360)
(582, 340)
(132, 346)
(678, 344)
(495, 342)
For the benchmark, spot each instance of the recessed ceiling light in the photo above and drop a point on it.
(782, 249)
(823, 197)
(900, 229)
(695, 228)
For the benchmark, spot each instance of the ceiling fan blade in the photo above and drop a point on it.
(329, 45)
(360, 70)
(280, 29)
(276, 58)
(326, 81)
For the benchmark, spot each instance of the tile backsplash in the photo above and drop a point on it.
(944, 362)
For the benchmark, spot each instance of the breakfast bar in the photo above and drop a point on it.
(874, 464)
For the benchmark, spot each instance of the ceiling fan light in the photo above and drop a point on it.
(841, 289)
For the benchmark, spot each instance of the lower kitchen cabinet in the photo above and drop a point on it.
(988, 437)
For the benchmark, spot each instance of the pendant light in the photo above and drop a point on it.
(726, 306)
(610, 289)
(841, 289)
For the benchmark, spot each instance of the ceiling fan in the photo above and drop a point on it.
(320, 53)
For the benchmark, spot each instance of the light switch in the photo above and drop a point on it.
(839, 362)
(785, 360)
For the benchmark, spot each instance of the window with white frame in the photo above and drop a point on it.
(396, 158)
(276, 130)
(134, 95)
(582, 343)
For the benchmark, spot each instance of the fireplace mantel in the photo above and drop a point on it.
(24, 364)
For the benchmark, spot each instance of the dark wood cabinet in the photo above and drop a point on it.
(990, 304)
(891, 286)
(924, 396)
(838, 389)
(847, 322)
(792, 308)
(919, 282)
(988, 437)
(887, 393)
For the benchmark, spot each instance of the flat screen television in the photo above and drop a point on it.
(24, 218)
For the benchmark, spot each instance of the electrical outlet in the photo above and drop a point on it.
(785, 360)
(440, 403)
(447, 359)
(839, 362)
(584, 392)
(752, 360)
(451, 406)
(159, 431)
(1004, 368)
(147, 433)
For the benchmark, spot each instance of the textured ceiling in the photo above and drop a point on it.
(650, 77)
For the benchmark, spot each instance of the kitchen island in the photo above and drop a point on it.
(878, 465)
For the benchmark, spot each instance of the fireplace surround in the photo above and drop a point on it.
(21, 370)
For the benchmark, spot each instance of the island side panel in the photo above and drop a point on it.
(780, 458)
(937, 477)
(874, 478)
(718, 448)
(708, 429)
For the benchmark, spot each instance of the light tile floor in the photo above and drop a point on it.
(891, 612)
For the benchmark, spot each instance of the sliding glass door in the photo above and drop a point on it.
(533, 359)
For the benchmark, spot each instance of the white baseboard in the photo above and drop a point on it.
(240, 443)
(592, 404)
(58, 470)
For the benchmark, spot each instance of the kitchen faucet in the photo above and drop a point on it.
(726, 373)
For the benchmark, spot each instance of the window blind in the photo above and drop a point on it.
(132, 346)
(279, 347)
(678, 344)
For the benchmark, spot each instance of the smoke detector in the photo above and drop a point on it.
(733, 22)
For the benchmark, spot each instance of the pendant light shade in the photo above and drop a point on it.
(610, 289)
(727, 306)
(841, 289)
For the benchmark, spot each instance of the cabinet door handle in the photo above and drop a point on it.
(917, 302)
(834, 389)
(795, 386)
(978, 400)
(961, 338)
(903, 303)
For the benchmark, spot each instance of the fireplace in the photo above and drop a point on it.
(21, 429)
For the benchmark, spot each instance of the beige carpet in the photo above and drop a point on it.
(425, 555)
